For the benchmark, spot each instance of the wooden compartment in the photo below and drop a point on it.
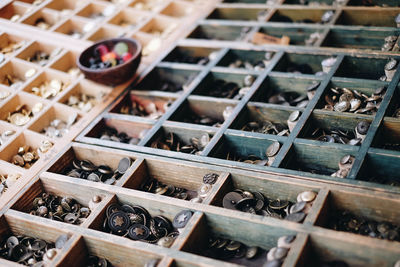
(388, 136)
(7, 39)
(16, 70)
(320, 249)
(232, 13)
(190, 55)
(305, 63)
(47, 16)
(178, 9)
(62, 5)
(298, 2)
(297, 35)
(161, 27)
(370, 17)
(305, 157)
(222, 33)
(362, 67)
(38, 47)
(128, 18)
(216, 225)
(198, 107)
(251, 56)
(297, 15)
(7, 127)
(13, 10)
(106, 32)
(383, 3)
(5, 93)
(97, 11)
(357, 39)
(74, 27)
(93, 155)
(148, 5)
(66, 63)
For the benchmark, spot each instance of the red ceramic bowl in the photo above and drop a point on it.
(114, 75)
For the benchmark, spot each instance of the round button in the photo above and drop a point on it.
(138, 232)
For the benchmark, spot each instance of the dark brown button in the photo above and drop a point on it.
(230, 200)
(118, 222)
(138, 232)
(210, 178)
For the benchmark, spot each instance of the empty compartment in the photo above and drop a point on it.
(358, 39)
(233, 13)
(320, 250)
(178, 9)
(299, 16)
(300, 63)
(362, 67)
(57, 122)
(382, 3)
(181, 139)
(14, 74)
(49, 85)
(115, 130)
(160, 177)
(39, 53)
(106, 32)
(265, 198)
(75, 28)
(67, 63)
(190, 55)
(283, 91)
(246, 59)
(388, 135)
(223, 33)
(198, 110)
(13, 11)
(62, 5)
(370, 17)
(247, 150)
(42, 19)
(341, 128)
(213, 233)
(297, 35)
(160, 27)
(95, 165)
(225, 85)
(128, 18)
(306, 157)
(382, 167)
(167, 80)
(362, 214)
(263, 119)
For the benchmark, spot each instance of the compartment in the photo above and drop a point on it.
(7, 133)
(97, 11)
(42, 19)
(381, 167)
(49, 85)
(84, 161)
(246, 59)
(233, 13)
(198, 110)
(263, 119)
(116, 130)
(286, 91)
(301, 16)
(225, 85)
(147, 105)
(84, 96)
(154, 176)
(305, 157)
(8, 177)
(10, 44)
(265, 197)
(57, 122)
(17, 104)
(62, 5)
(353, 96)
(191, 55)
(19, 226)
(220, 32)
(371, 68)
(39, 53)
(363, 217)
(300, 63)
(25, 150)
(160, 27)
(321, 250)
(13, 11)
(368, 17)
(312, 2)
(14, 74)
(178, 9)
(181, 139)
(106, 32)
(235, 146)
(45, 192)
(168, 80)
(147, 5)
(357, 39)
(76, 28)
(128, 18)
(388, 136)
(4, 95)
(67, 63)
(121, 254)
(338, 128)
(297, 36)
(382, 3)
(213, 227)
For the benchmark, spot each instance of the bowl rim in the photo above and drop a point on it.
(115, 40)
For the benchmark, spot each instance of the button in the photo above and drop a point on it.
(230, 200)
(306, 196)
(273, 149)
(138, 232)
(182, 218)
(210, 178)
(165, 241)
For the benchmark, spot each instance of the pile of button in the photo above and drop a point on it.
(11, 46)
(50, 89)
(135, 222)
(15, 82)
(267, 127)
(257, 203)
(172, 142)
(30, 251)
(42, 23)
(156, 187)
(149, 110)
(26, 156)
(345, 165)
(336, 135)
(7, 180)
(346, 100)
(258, 65)
(62, 209)
(85, 169)
(277, 255)
(231, 90)
(111, 134)
(83, 102)
(59, 128)
(193, 117)
(105, 57)
(341, 220)
(42, 58)
(22, 115)
(271, 152)
(188, 59)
